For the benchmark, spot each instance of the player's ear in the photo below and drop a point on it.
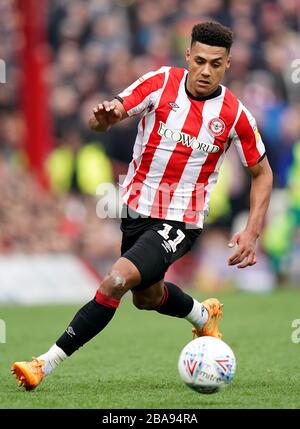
(188, 55)
(228, 61)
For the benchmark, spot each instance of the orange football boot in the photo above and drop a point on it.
(29, 374)
(213, 307)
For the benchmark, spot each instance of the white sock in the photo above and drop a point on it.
(53, 357)
(198, 316)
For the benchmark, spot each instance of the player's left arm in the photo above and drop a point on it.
(261, 187)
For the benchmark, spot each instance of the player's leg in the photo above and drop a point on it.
(152, 254)
(87, 323)
(96, 314)
(169, 299)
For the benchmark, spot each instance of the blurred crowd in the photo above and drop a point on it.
(96, 48)
(35, 221)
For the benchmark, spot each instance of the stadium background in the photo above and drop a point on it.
(62, 57)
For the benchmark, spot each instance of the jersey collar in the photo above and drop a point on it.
(216, 93)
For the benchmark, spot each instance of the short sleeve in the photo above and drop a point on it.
(143, 92)
(247, 140)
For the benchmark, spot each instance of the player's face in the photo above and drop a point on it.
(206, 65)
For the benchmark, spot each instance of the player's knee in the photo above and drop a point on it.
(121, 278)
(114, 284)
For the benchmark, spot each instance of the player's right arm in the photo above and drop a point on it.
(106, 114)
(135, 99)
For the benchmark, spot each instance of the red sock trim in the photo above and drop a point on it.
(106, 300)
(164, 297)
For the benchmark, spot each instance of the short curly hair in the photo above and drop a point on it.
(213, 34)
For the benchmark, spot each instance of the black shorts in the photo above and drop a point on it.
(152, 245)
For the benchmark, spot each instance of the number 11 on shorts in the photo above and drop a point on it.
(165, 234)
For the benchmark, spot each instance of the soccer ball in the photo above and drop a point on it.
(206, 364)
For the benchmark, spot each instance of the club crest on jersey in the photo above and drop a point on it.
(216, 126)
(186, 140)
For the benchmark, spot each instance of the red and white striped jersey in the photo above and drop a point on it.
(181, 143)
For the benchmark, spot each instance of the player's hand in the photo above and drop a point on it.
(107, 114)
(245, 254)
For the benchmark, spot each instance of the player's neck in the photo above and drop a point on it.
(214, 93)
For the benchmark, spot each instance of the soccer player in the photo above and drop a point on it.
(188, 122)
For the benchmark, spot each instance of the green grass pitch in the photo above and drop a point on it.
(133, 362)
